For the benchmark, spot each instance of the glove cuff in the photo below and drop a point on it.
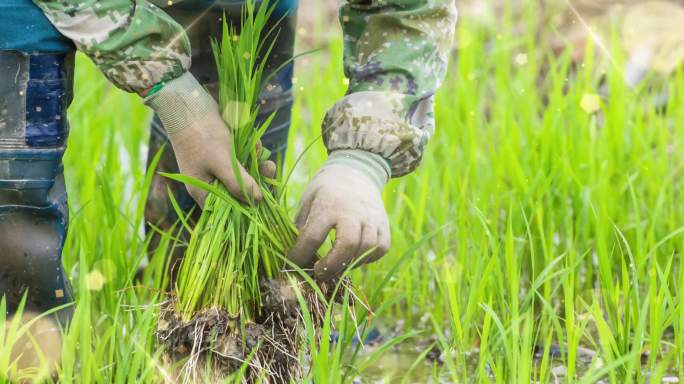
(181, 102)
(370, 164)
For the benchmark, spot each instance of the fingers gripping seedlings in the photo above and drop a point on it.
(347, 200)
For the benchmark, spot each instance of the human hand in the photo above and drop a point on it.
(201, 139)
(345, 195)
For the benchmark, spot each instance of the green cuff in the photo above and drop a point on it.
(181, 102)
(155, 88)
(371, 164)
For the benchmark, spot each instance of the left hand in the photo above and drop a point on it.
(345, 195)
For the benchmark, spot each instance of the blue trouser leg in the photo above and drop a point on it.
(275, 97)
(35, 91)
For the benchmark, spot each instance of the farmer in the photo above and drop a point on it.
(395, 58)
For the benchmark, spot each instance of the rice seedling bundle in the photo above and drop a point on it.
(229, 295)
(235, 245)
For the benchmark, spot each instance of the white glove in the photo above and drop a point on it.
(345, 195)
(200, 138)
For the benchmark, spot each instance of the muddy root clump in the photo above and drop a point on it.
(212, 343)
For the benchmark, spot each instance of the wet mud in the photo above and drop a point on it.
(213, 343)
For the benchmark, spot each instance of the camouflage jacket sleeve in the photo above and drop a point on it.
(395, 56)
(134, 43)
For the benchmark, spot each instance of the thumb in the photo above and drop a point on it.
(267, 169)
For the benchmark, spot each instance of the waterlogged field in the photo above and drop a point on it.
(538, 242)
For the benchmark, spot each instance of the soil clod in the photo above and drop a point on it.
(213, 340)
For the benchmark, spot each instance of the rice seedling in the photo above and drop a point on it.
(230, 298)
(234, 245)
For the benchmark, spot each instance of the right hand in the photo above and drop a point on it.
(201, 139)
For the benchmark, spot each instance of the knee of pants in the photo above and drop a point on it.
(34, 91)
(32, 240)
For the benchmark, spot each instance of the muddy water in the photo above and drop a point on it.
(402, 365)
(395, 367)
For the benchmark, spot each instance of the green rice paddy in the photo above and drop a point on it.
(538, 242)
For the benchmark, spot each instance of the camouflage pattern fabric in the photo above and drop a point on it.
(134, 43)
(396, 54)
